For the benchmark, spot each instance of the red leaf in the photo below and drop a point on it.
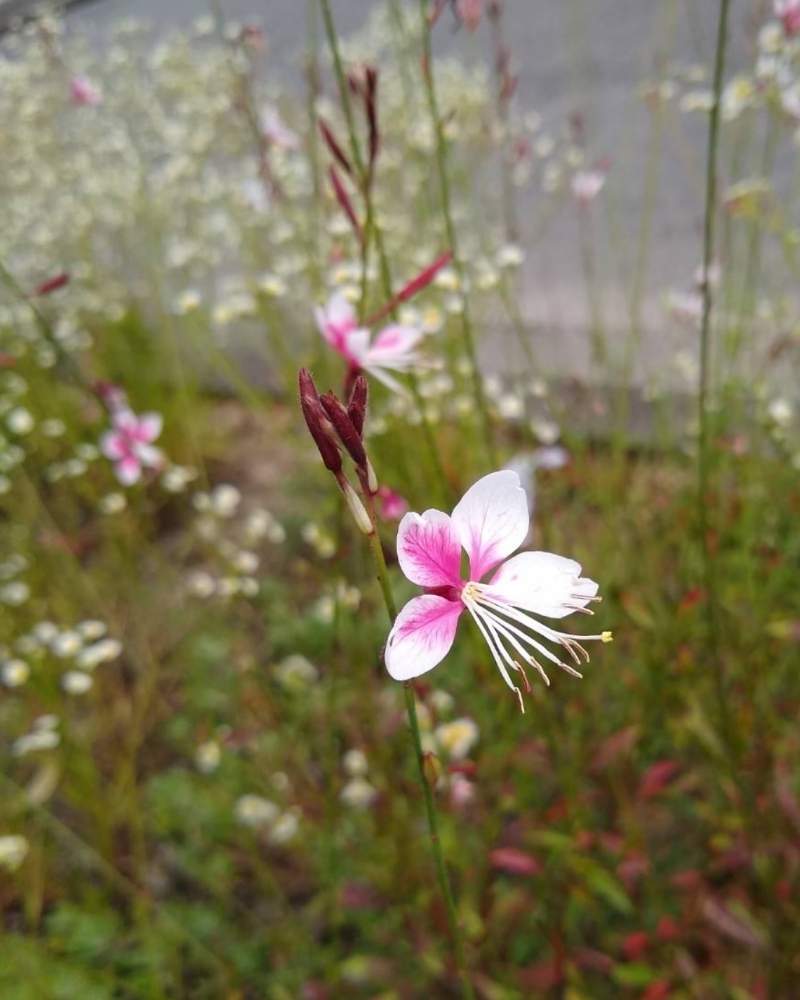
(657, 990)
(635, 944)
(657, 777)
(617, 745)
(667, 929)
(514, 862)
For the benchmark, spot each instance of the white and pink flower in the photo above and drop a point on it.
(391, 506)
(277, 131)
(489, 523)
(394, 349)
(587, 185)
(129, 444)
(84, 93)
(788, 13)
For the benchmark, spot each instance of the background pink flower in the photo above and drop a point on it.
(393, 349)
(391, 505)
(129, 444)
(84, 92)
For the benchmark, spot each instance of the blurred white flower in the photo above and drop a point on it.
(255, 811)
(458, 737)
(20, 421)
(207, 757)
(67, 643)
(13, 851)
(76, 682)
(355, 762)
(14, 673)
(100, 652)
(296, 671)
(358, 793)
(285, 827)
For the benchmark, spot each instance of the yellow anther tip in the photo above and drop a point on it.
(607, 637)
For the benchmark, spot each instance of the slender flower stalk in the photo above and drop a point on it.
(703, 456)
(450, 230)
(505, 85)
(64, 357)
(430, 805)
(371, 228)
(331, 425)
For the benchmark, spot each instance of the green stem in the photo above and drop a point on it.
(64, 357)
(372, 228)
(450, 230)
(703, 414)
(430, 805)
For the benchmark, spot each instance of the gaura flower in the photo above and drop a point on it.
(788, 13)
(391, 506)
(489, 523)
(129, 444)
(277, 131)
(83, 92)
(587, 185)
(393, 349)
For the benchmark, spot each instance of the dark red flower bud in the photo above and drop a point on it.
(52, 284)
(318, 425)
(336, 150)
(413, 287)
(344, 201)
(357, 405)
(349, 436)
(371, 109)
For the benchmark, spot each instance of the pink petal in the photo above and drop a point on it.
(336, 319)
(125, 420)
(112, 445)
(148, 427)
(428, 550)
(421, 636)
(492, 520)
(393, 344)
(544, 583)
(128, 470)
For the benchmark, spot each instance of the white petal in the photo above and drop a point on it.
(542, 582)
(492, 520)
(421, 636)
(149, 427)
(339, 311)
(393, 345)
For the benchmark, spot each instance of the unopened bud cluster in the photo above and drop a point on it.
(334, 426)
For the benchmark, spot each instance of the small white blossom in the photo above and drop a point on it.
(285, 828)
(255, 811)
(458, 737)
(207, 756)
(76, 682)
(13, 851)
(14, 673)
(355, 762)
(358, 793)
(296, 671)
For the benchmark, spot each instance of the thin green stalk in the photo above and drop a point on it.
(502, 100)
(430, 805)
(450, 230)
(64, 357)
(703, 414)
(373, 229)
